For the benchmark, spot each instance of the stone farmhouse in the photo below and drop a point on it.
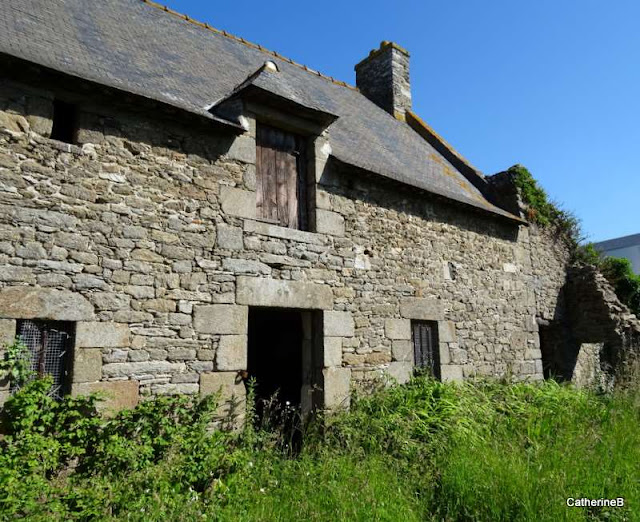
(181, 209)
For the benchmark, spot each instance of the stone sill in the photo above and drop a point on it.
(268, 229)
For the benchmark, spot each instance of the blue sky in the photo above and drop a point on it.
(554, 85)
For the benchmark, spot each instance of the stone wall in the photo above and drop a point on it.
(150, 224)
(605, 333)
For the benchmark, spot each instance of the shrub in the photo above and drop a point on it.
(428, 450)
(543, 211)
(15, 365)
(626, 283)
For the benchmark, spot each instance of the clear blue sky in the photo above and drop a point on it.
(554, 85)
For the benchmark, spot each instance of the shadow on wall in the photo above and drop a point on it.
(354, 183)
(592, 334)
(104, 113)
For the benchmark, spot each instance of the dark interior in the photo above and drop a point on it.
(64, 122)
(275, 354)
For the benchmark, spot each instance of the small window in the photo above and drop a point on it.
(281, 178)
(425, 346)
(64, 122)
(49, 344)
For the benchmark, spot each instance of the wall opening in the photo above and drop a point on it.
(285, 359)
(50, 344)
(64, 122)
(282, 196)
(547, 345)
(559, 350)
(426, 348)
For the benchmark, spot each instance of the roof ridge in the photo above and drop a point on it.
(415, 119)
(238, 39)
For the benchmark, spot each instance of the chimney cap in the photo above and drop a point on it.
(384, 45)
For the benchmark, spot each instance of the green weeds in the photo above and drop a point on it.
(424, 451)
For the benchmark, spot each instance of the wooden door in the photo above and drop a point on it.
(281, 184)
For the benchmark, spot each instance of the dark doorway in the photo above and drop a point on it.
(559, 350)
(275, 354)
(285, 361)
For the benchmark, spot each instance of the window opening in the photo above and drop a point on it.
(425, 346)
(282, 195)
(49, 344)
(64, 122)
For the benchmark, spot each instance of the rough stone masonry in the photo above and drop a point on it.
(144, 234)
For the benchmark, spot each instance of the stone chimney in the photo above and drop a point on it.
(383, 77)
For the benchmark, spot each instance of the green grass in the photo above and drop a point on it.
(424, 451)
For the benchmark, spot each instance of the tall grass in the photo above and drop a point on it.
(424, 451)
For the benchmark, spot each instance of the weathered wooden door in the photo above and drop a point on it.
(280, 173)
(425, 346)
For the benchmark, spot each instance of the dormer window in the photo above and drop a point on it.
(282, 196)
(64, 122)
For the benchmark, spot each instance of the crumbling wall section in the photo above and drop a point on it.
(606, 330)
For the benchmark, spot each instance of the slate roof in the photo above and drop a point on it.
(134, 46)
(618, 242)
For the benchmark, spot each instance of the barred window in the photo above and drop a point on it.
(49, 344)
(425, 346)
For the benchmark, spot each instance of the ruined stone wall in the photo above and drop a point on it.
(147, 229)
(606, 333)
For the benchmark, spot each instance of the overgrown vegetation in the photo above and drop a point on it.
(423, 451)
(626, 283)
(15, 366)
(545, 212)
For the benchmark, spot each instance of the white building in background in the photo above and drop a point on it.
(627, 246)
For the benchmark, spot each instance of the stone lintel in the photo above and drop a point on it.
(422, 308)
(221, 319)
(338, 324)
(259, 291)
(102, 335)
(28, 302)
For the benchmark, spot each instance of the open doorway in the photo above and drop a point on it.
(285, 359)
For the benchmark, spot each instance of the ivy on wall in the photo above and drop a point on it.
(541, 210)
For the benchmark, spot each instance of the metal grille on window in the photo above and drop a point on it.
(425, 346)
(49, 344)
